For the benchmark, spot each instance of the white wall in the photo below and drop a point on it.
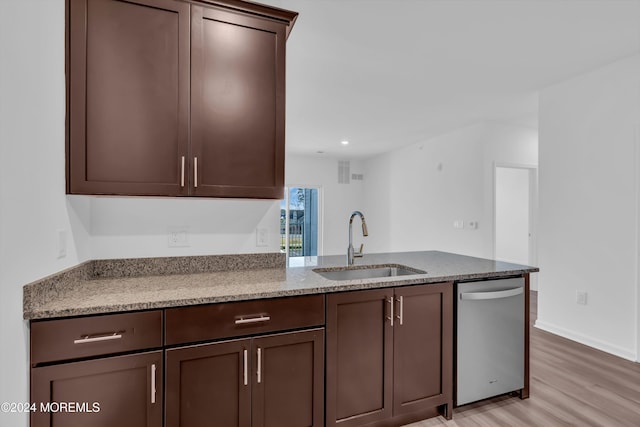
(32, 201)
(138, 227)
(589, 171)
(338, 200)
(420, 190)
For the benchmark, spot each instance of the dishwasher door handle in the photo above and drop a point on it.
(491, 295)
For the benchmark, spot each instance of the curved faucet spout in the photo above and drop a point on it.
(351, 253)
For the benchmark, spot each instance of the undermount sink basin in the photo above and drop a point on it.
(367, 272)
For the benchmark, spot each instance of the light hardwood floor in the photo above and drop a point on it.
(571, 385)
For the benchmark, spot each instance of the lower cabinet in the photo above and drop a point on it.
(389, 355)
(268, 381)
(123, 391)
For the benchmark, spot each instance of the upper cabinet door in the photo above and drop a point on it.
(237, 104)
(128, 83)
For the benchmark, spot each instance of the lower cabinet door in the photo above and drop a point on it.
(123, 391)
(209, 385)
(271, 381)
(423, 345)
(359, 357)
(288, 383)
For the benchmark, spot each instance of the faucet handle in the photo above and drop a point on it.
(359, 253)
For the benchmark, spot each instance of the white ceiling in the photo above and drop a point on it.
(388, 73)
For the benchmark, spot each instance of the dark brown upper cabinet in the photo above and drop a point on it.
(176, 98)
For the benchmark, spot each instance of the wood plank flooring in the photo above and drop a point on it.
(571, 385)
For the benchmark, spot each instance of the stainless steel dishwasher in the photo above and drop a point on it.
(490, 338)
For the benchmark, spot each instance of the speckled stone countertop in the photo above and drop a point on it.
(108, 286)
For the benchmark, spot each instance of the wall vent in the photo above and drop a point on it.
(344, 171)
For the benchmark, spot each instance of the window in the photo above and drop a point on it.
(299, 224)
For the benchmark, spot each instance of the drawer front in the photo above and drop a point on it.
(224, 320)
(75, 338)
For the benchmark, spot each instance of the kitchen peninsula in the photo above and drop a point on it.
(256, 336)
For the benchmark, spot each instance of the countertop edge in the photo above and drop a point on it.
(329, 286)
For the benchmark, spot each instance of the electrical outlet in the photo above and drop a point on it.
(581, 297)
(458, 224)
(262, 237)
(178, 237)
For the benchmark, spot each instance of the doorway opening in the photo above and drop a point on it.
(299, 222)
(515, 207)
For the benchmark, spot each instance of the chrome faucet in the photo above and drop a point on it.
(351, 253)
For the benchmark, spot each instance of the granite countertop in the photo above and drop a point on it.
(109, 286)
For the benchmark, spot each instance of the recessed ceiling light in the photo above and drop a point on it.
(344, 142)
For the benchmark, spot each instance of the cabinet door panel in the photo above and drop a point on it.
(422, 347)
(129, 89)
(290, 392)
(359, 357)
(206, 385)
(237, 104)
(123, 387)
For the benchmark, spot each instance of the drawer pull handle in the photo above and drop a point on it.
(246, 368)
(390, 301)
(243, 321)
(89, 339)
(259, 370)
(401, 315)
(182, 172)
(153, 383)
(195, 172)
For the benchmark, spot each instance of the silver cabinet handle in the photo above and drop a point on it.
(246, 368)
(261, 318)
(153, 383)
(182, 172)
(390, 301)
(401, 309)
(195, 172)
(89, 339)
(491, 295)
(259, 370)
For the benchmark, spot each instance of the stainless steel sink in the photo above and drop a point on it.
(367, 272)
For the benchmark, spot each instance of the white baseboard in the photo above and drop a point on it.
(589, 341)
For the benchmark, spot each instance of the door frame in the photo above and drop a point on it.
(533, 206)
